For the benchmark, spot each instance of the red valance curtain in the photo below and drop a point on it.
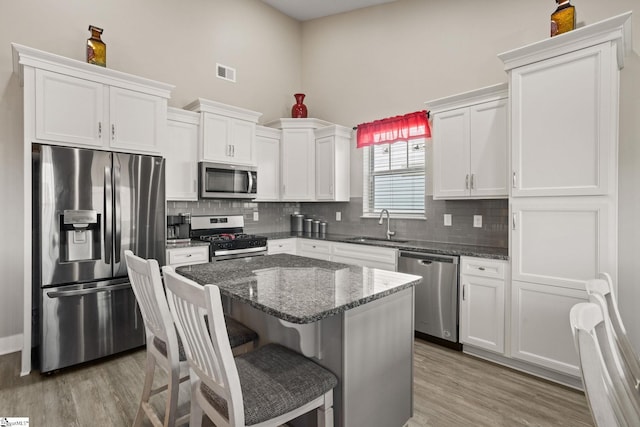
(392, 129)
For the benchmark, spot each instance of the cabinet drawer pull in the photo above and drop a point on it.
(466, 182)
(463, 292)
(99, 129)
(481, 268)
(472, 185)
(514, 181)
(113, 132)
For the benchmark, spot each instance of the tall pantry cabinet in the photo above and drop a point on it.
(564, 145)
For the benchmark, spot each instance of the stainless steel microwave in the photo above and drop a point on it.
(222, 181)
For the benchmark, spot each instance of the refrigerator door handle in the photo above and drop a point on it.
(80, 292)
(118, 222)
(108, 210)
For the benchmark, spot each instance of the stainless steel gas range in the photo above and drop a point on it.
(226, 237)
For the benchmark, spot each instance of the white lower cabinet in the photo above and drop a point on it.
(318, 249)
(281, 246)
(540, 328)
(177, 257)
(482, 303)
(365, 256)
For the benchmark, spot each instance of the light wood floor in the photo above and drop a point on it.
(450, 389)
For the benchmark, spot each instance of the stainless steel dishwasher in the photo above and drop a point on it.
(436, 298)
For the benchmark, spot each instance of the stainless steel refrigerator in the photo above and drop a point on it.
(89, 207)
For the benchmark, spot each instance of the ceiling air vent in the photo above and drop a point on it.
(226, 73)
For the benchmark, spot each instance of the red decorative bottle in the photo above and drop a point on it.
(299, 110)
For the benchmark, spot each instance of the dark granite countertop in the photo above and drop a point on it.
(405, 244)
(298, 289)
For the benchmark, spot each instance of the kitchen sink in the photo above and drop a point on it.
(376, 240)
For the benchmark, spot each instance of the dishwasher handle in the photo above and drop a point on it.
(428, 258)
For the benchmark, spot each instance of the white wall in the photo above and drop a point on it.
(177, 42)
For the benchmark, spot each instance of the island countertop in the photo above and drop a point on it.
(298, 289)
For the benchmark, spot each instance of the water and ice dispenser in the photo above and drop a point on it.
(80, 232)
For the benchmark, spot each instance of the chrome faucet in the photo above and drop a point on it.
(389, 232)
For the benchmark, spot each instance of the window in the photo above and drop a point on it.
(394, 164)
(394, 178)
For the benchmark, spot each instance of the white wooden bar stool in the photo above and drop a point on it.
(164, 348)
(266, 387)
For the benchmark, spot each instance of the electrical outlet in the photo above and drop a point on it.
(338, 216)
(447, 220)
(477, 221)
(256, 216)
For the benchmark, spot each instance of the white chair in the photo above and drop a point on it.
(164, 348)
(603, 288)
(266, 387)
(612, 399)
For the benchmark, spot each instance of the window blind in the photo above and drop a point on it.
(394, 178)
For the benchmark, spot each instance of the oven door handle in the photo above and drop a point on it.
(240, 251)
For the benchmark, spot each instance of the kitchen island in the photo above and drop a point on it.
(355, 321)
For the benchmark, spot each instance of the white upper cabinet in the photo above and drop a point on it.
(564, 114)
(314, 160)
(332, 163)
(180, 149)
(80, 104)
(69, 109)
(268, 159)
(298, 165)
(470, 144)
(228, 133)
(137, 120)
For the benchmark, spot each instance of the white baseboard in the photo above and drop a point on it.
(528, 368)
(10, 344)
